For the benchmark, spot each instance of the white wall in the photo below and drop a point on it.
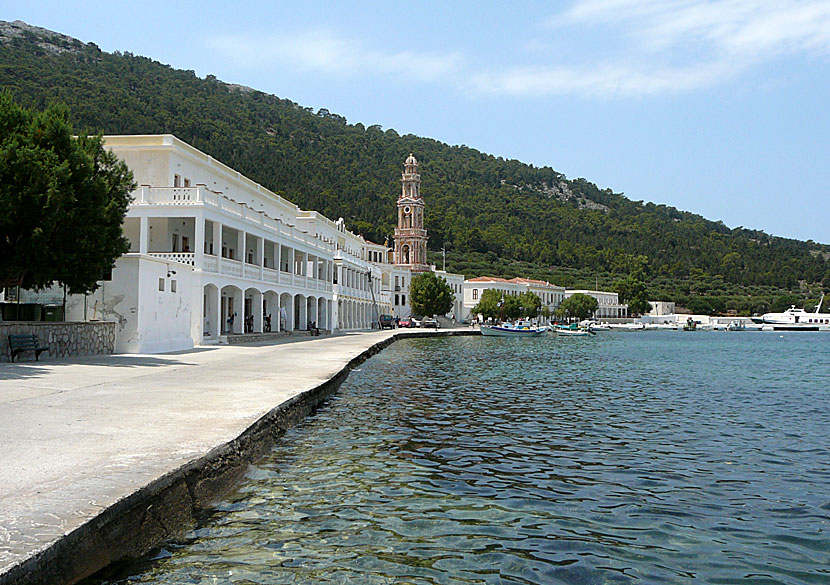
(148, 320)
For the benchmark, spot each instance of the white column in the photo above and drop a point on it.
(199, 243)
(216, 317)
(217, 240)
(260, 251)
(144, 235)
(256, 307)
(239, 309)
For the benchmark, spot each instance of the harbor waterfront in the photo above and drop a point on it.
(659, 457)
(105, 456)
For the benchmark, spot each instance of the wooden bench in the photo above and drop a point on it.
(25, 342)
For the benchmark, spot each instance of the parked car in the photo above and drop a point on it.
(430, 323)
(405, 322)
(387, 322)
(416, 322)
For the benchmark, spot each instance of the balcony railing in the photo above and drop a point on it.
(204, 196)
(182, 257)
(252, 272)
(232, 267)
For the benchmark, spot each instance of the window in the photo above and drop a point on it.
(403, 299)
(475, 294)
(161, 285)
(187, 182)
(172, 286)
(397, 300)
(177, 181)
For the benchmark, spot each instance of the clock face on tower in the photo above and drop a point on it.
(406, 209)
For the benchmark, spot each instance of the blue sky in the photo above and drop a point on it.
(715, 107)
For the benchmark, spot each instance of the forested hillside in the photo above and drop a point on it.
(492, 215)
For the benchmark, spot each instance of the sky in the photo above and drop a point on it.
(718, 107)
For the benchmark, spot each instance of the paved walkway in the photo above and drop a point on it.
(76, 436)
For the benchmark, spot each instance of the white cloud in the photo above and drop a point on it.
(625, 47)
(642, 47)
(324, 51)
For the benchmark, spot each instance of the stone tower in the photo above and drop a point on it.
(410, 235)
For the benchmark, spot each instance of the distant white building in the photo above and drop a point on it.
(551, 295)
(661, 308)
(609, 305)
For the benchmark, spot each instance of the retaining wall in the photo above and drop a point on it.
(65, 339)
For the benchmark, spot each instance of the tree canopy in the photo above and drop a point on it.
(577, 306)
(62, 201)
(430, 294)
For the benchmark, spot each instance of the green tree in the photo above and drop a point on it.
(632, 290)
(530, 303)
(62, 201)
(489, 306)
(430, 294)
(578, 306)
(512, 307)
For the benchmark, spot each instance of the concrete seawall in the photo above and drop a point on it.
(105, 458)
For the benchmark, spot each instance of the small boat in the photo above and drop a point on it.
(572, 330)
(690, 325)
(567, 332)
(627, 326)
(520, 329)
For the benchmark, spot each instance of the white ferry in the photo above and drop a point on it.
(794, 319)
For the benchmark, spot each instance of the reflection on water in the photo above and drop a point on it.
(656, 457)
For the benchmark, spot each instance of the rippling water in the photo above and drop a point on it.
(655, 457)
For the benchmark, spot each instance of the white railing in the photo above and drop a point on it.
(270, 275)
(232, 267)
(210, 263)
(182, 257)
(285, 278)
(251, 271)
(204, 196)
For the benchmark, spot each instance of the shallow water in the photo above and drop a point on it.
(649, 457)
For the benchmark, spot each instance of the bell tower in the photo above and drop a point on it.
(410, 235)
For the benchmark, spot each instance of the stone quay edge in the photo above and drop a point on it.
(106, 457)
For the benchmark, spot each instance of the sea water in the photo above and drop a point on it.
(645, 457)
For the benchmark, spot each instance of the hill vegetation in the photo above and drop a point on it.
(492, 215)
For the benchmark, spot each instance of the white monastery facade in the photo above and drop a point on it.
(212, 254)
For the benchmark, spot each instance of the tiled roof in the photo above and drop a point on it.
(488, 279)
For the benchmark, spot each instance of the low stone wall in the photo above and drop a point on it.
(65, 339)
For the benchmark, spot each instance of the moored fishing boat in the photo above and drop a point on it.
(511, 330)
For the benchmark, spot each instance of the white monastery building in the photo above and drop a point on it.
(213, 253)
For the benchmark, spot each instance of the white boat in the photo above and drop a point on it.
(794, 319)
(627, 326)
(565, 332)
(594, 326)
(510, 330)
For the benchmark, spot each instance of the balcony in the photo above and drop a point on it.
(182, 196)
(188, 258)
